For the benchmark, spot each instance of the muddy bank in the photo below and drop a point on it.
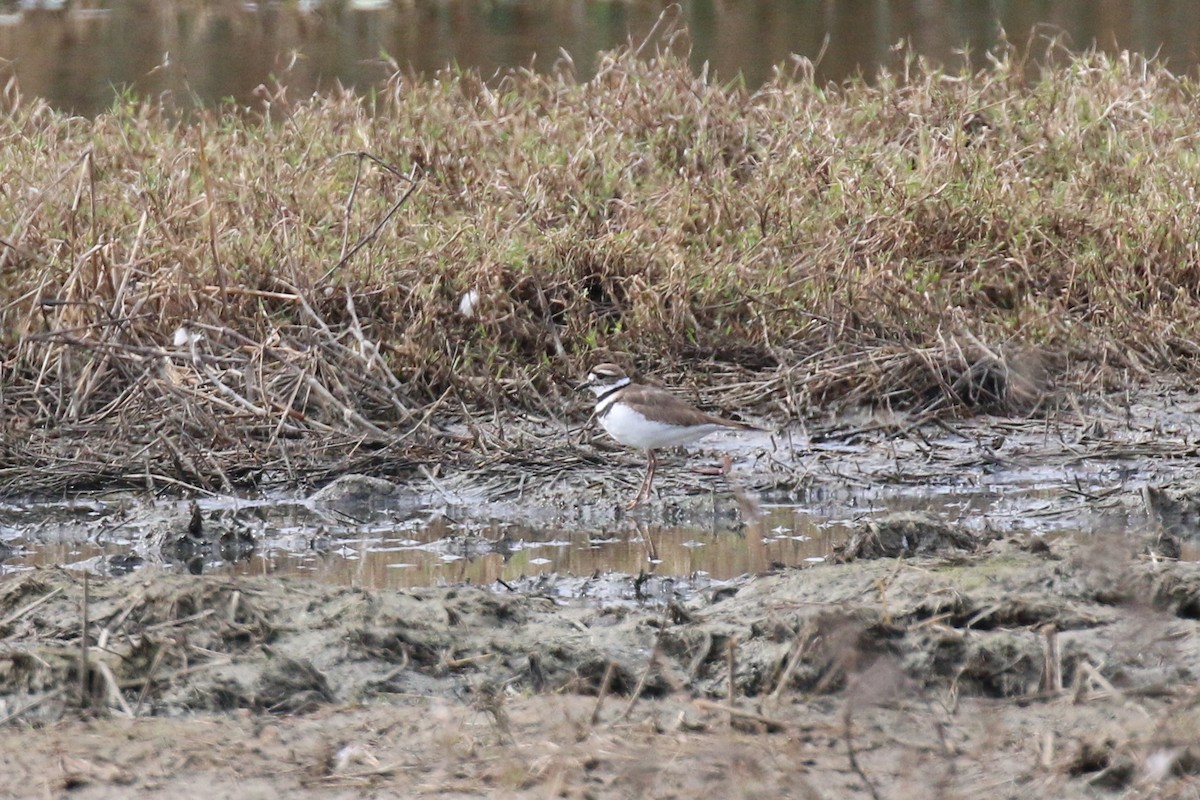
(1030, 631)
(1064, 665)
(558, 508)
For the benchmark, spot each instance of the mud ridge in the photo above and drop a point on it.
(1093, 645)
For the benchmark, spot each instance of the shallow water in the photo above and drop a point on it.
(1080, 476)
(406, 547)
(435, 546)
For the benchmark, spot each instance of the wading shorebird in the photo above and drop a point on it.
(648, 418)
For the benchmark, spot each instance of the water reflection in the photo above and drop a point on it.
(399, 547)
(510, 553)
(439, 551)
(209, 49)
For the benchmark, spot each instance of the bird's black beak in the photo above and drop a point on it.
(579, 387)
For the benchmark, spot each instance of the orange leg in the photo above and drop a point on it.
(651, 465)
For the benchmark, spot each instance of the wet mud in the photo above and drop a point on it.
(1028, 627)
(1064, 665)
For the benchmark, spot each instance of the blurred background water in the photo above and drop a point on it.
(79, 55)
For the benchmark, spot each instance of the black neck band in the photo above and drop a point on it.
(600, 398)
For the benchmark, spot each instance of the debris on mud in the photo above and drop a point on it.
(355, 489)
(1041, 648)
(1000, 626)
(1176, 509)
(907, 534)
(222, 536)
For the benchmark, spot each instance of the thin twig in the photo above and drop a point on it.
(32, 704)
(370, 237)
(636, 694)
(159, 654)
(603, 692)
(28, 607)
(83, 645)
(798, 650)
(848, 735)
(733, 711)
(731, 669)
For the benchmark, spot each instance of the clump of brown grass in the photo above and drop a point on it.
(275, 292)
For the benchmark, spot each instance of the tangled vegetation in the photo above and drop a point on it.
(312, 284)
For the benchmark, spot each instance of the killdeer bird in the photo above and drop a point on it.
(648, 418)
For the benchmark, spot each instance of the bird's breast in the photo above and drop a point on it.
(630, 427)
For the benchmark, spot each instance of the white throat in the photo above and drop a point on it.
(604, 388)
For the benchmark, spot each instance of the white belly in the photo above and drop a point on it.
(630, 428)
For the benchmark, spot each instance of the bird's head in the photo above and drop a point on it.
(604, 377)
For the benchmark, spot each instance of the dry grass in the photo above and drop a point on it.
(931, 241)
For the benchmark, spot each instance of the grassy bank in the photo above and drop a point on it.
(276, 292)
